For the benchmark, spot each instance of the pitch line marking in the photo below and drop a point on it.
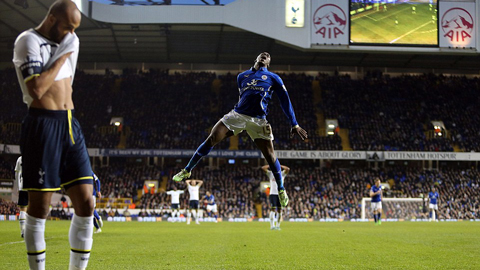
(409, 32)
(19, 242)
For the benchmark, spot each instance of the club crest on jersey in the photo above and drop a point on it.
(264, 77)
(42, 174)
(253, 83)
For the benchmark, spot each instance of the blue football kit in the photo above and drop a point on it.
(256, 88)
(433, 196)
(376, 198)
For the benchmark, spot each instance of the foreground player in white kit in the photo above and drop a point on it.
(275, 206)
(54, 154)
(175, 199)
(193, 189)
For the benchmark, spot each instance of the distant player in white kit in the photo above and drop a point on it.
(175, 197)
(211, 205)
(433, 204)
(193, 188)
(376, 194)
(22, 195)
(275, 206)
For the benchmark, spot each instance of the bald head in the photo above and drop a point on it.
(62, 18)
(65, 9)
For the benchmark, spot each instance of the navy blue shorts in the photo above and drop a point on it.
(22, 198)
(193, 204)
(274, 201)
(174, 205)
(53, 150)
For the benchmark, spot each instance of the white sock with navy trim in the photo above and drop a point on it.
(22, 217)
(35, 242)
(80, 237)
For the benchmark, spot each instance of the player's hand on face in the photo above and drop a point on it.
(299, 131)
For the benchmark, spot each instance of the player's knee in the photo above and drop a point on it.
(85, 207)
(212, 140)
(38, 210)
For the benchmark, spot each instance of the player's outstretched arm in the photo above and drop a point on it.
(299, 131)
(265, 168)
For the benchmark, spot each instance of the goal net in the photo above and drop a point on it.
(398, 208)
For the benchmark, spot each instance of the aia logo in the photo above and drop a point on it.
(329, 21)
(457, 24)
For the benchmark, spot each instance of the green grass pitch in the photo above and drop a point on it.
(380, 26)
(314, 245)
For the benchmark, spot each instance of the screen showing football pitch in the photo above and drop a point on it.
(394, 22)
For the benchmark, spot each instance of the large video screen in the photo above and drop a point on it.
(394, 22)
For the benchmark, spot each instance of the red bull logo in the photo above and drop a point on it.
(457, 25)
(329, 21)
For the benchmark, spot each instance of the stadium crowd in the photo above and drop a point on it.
(394, 113)
(166, 110)
(315, 192)
(171, 110)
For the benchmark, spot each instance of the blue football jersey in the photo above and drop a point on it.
(376, 198)
(433, 196)
(210, 199)
(256, 88)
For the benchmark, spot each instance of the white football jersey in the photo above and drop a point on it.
(175, 194)
(273, 183)
(34, 53)
(18, 185)
(193, 190)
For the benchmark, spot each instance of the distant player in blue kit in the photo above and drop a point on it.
(433, 204)
(376, 195)
(97, 219)
(211, 206)
(256, 87)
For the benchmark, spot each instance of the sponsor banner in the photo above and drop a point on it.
(298, 220)
(330, 22)
(6, 183)
(177, 153)
(287, 154)
(9, 149)
(442, 156)
(309, 154)
(238, 220)
(457, 24)
(330, 220)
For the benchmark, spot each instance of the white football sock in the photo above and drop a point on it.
(35, 242)
(272, 219)
(22, 218)
(194, 214)
(80, 237)
(189, 217)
